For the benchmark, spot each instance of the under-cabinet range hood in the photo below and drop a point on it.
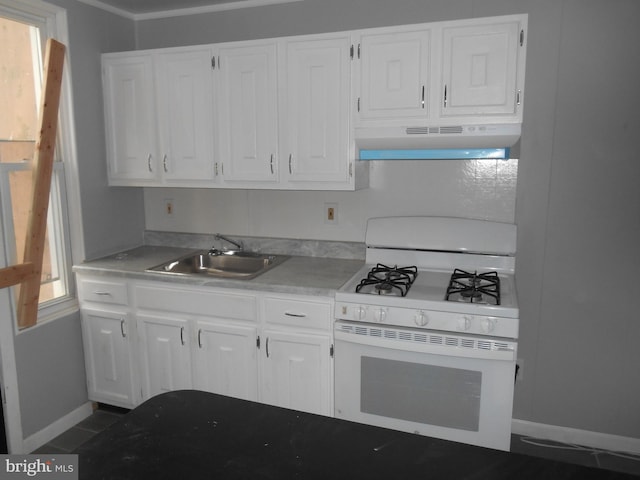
(478, 136)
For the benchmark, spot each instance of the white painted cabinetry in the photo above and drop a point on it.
(247, 95)
(394, 74)
(128, 81)
(165, 358)
(297, 359)
(107, 332)
(225, 358)
(159, 117)
(444, 73)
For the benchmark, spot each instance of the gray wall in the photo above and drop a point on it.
(578, 204)
(49, 358)
(112, 218)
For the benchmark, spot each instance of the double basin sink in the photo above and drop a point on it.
(226, 264)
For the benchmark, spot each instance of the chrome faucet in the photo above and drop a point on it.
(215, 251)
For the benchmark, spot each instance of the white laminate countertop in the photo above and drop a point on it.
(316, 276)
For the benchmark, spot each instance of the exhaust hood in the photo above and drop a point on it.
(407, 142)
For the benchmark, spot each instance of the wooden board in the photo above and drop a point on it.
(28, 274)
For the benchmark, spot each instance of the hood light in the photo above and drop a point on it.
(437, 154)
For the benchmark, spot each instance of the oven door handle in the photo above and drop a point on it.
(427, 342)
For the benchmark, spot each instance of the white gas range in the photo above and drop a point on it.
(427, 330)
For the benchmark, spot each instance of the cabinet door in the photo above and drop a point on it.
(394, 69)
(185, 104)
(225, 359)
(130, 118)
(296, 371)
(316, 123)
(247, 112)
(479, 70)
(166, 355)
(108, 357)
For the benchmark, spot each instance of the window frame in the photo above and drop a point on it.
(52, 22)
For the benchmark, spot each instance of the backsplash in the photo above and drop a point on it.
(479, 189)
(278, 246)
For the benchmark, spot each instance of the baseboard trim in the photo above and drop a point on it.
(56, 428)
(585, 438)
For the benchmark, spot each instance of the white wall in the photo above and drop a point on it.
(484, 189)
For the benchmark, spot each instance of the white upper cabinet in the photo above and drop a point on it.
(130, 118)
(445, 73)
(315, 113)
(246, 87)
(185, 115)
(480, 70)
(159, 117)
(394, 74)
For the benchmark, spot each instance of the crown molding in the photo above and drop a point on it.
(178, 12)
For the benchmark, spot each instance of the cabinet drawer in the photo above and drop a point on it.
(197, 302)
(298, 313)
(103, 291)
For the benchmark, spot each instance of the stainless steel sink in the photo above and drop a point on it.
(230, 264)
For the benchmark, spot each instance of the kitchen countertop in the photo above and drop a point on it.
(317, 276)
(192, 435)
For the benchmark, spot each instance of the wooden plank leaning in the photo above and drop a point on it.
(29, 272)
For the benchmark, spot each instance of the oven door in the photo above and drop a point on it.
(447, 386)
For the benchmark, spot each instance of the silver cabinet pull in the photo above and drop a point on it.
(290, 170)
(182, 335)
(445, 96)
(164, 163)
(267, 347)
(271, 163)
(122, 328)
(297, 315)
(351, 169)
(149, 163)
(423, 96)
(199, 338)
(102, 293)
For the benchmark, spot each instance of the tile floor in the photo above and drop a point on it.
(104, 416)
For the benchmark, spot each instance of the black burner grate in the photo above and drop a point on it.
(386, 280)
(474, 287)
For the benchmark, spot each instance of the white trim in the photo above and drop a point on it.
(56, 428)
(586, 438)
(178, 12)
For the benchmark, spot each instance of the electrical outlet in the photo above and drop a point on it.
(169, 207)
(330, 213)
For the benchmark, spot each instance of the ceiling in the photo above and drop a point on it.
(143, 9)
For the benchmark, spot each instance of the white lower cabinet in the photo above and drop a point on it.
(295, 371)
(225, 359)
(110, 375)
(166, 354)
(275, 349)
(297, 359)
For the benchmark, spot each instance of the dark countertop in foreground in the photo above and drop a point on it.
(297, 275)
(196, 435)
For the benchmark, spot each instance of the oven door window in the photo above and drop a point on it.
(427, 394)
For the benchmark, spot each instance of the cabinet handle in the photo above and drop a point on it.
(102, 294)
(518, 97)
(350, 169)
(297, 315)
(149, 163)
(445, 96)
(423, 96)
(164, 163)
(182, 335)
(199, 338)
(267, 347)
(122, 328)
(290, 170)
(271, 163)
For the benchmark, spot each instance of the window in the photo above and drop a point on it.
(22, 36)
